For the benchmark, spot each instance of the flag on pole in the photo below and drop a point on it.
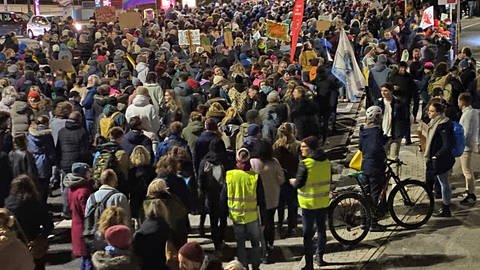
(346, 69)
(427, 18)
(296, 25)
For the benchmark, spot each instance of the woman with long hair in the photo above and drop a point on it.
(286, 150)
(171, 108)
(140, 174)
(32, 214)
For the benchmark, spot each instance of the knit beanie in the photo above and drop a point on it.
(119, 236)
(192, 251)
(243, 159)
(80, 168)
(311, 142)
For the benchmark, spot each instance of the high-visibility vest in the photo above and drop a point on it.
(315, 193)
(242, 196)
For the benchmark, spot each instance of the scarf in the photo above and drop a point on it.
(432, 128)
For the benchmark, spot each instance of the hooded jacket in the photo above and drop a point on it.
(72, 145)
(40, 144)
(371, 144)
(134, 138)
(156, 94)
(191, 132)
(142, 71)
(21, 116)
(142, 108)
(14, 255)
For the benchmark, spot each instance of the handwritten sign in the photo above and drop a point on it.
(130, 19)
(228, 37)
(105, 14)
(323, 25)
(189, 37)
(62, 64)
(277, 30)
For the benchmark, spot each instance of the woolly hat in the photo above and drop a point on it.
(253, 130)
(428, 65)
(243, 159)
(119, 236)
(80, 168)
(34, 94)
(216, 110)
(273, 97)
(311, 142)
(192, 251)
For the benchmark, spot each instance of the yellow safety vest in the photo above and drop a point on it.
(242, 196)
(315, 193)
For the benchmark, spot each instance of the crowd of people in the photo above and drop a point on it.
(143, 132)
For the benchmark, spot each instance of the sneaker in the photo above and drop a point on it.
(469, 200)
(443, 212)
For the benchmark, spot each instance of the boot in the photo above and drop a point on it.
(469, 200)
(443, 212)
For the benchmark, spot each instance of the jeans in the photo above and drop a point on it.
(64, 191)
(309, 218)
(467, 169)
(288, 197)
(250, 231)
(86, 263)
(444, 185)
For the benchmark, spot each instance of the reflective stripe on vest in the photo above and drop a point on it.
(242, 196)
(315, 193)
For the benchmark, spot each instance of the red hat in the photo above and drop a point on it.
(34, 94)
(119, 236)
(428, 65)
(192, 83)
(192, 251)
(100, 58)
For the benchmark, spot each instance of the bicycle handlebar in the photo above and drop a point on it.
(395, 161)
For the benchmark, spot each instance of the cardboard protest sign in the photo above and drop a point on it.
(277, 30)
(105, 14)
(195, 37)
(323, 25)
(183, 38)
(228, 37)
(189, 37)
(130, 19)
(206, 43)
(63, 65)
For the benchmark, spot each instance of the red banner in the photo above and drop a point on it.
(296, 25)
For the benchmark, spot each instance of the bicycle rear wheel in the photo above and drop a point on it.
(349, 218)
(410, 204)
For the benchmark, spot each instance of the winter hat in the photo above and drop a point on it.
(382, 59)
(192, 251)
(273, 97)
(253, 130)
(243, 159)
(211, 124)
(311, 142)
(428, 65)
(80, 168)
(216, 110)
(34, 94)
(119, 236)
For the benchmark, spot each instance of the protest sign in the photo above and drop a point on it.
(105, 14)
(277, 30)
(130, 19)
(62, 64)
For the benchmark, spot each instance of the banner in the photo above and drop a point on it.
(296, 26)
(277, 30)
(105, 14)
(427, 18)
(346, 69)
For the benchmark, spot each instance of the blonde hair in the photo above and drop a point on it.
(157, 186)
(155, 208)
(113, 215)
(230, 114)
(140, 156)
(286, 138)
(9, 91)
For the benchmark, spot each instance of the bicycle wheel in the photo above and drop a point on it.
(349, 218)
(410, 204)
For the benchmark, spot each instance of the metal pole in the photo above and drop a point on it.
(29, 8)
(5, 5)
(458, 27)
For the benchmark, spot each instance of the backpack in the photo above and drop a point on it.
(270, 125)
(93, 214)
(105, 160)
(107, 123)
(459, 139)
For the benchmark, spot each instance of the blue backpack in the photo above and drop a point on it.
(459, 139)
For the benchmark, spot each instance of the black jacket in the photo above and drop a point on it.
(134, 138)
(372, 142)
(304, 115)
(72, 145)
(440, 159)
(149, 243)
(400, 117)
(32, 216)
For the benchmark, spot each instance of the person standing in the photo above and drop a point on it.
(470, 124)
(313, 187)
(438, 153)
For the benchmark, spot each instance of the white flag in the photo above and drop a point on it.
(346, 69)
(427, 18)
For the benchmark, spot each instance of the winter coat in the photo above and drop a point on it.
(102, 260)
(72, 145)
(117, 199)
(378, 75)
(134, 138)
(23, 162)
(191, 133)
(372, 142)
(142, 108)
(184, 93)
(142, 71)
(179, 188)
(40, 144)
(6, 104)
(304, 116)
(272, 176)
(407, 87)
(201, 146)
(138, 180)
(470, 123)
(400, 117)
(87, 103)
(149, 243)
(326, 86)
(79, 191)
(32, 215)
(156, 94)
(440, 146)
(14, 255)
(22, 117)
(171, 141)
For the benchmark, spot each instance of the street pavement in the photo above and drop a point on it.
(440, 244)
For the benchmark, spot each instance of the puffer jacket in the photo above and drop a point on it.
(22, 117)
(40, 144)
(14, 255)
(71, 145)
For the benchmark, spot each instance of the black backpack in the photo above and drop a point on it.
(93, 214)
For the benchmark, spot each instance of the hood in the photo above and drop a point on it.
(141, 101)
(135, 137)
(103, 261)
(109, 109)
(196, 127)
(7, 237)
(72, 181)
(141, 67)
(318, 155)
(72, 124)
(379, 67)
(20, 106)
(39, 131)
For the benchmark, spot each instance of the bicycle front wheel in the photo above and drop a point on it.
(349, 218)
(410, 204)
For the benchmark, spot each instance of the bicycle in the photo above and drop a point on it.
(409, 203)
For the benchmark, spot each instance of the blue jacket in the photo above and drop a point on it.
(87, 104)
(372, 145)
(165, 146)
(40, 144)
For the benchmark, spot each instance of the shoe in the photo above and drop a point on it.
(469, 200)
(307, 267)
(443, 212)
(319, 260)
(377, 228)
